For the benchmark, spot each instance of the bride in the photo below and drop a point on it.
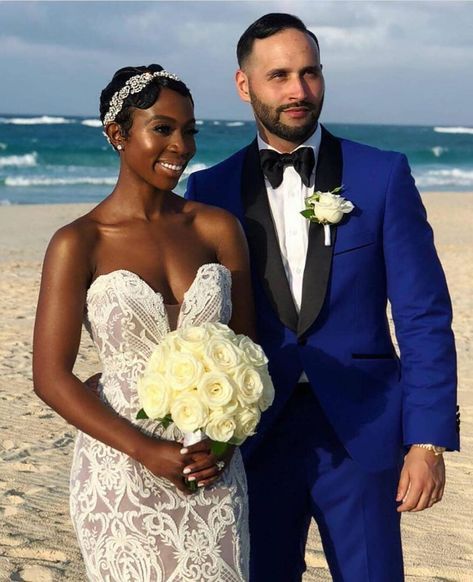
(141, 263)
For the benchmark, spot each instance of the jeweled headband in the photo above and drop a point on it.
(133, 85)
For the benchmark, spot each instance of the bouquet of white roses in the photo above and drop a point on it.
(209, 382)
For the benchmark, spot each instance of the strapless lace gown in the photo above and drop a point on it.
(131, 525)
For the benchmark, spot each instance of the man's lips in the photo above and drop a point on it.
(297, 112)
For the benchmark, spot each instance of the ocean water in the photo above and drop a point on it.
(46, 159)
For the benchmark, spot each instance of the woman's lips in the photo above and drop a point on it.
(173, 168)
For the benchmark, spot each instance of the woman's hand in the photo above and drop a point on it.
(205, 468)
(164, 459)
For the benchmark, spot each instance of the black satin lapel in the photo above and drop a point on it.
(318, 264)
(262, 239)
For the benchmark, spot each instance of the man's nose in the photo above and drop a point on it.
(298, 89)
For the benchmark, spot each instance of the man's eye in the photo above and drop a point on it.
(163, 129)
(278, 75)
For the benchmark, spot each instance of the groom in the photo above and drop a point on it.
(356, 434)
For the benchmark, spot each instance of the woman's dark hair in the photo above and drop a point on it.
(266, 26)
(142, 100)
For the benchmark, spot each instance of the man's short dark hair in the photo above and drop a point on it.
(266, 26)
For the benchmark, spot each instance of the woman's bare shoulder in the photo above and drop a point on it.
(213, 218)
(74, 241)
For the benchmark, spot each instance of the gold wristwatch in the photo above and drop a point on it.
(434, 448)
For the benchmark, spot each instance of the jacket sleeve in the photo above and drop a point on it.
(191, 193)
(422, 313)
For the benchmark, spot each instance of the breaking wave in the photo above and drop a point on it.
(454, 130)
(26, 160)
(24, 182)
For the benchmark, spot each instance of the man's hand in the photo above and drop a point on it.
(422, 480)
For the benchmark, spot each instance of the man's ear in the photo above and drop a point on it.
(114, 133)
(241, 81)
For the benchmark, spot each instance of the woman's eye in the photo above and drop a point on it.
(163, 129)
(193, 131)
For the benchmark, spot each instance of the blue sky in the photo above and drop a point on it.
(384, 62)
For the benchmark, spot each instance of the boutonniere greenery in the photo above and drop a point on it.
(326, 208)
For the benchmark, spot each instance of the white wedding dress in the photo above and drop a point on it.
(131, 525)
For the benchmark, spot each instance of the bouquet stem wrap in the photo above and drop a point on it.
(191, 438)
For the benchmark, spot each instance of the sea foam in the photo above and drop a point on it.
(438, 151)
(92, 122)
(235, 123)
(26, 160)
(454, 130)
(43, 120)
(24, 182)
(454, 177)
(193, 168)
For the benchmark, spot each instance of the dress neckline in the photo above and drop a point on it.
(158, 293)
(115, 271)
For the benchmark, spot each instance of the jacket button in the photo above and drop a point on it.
(301, 341)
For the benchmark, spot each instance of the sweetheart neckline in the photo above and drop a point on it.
(144, 282)
(158, 293)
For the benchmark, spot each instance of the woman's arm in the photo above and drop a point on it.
(61, 305)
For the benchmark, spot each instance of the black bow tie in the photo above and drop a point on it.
(272, 164)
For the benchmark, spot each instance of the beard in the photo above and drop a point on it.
(270, 118)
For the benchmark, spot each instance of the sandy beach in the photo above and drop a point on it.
(37, 542)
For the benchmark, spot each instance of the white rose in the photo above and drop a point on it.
(194, 339)
(267, 397)
(155, 395)
(221, 427)
(220, 354)
(183, 371)
(188, 412)
(158, 359)
(249, 385)
(253, 352)
(330, 208)
(246, 422)
(215, 389)
(220, 330)
(171, 343)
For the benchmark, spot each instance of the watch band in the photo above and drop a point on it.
(434, 448)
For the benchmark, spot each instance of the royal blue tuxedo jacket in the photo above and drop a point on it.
(383, 250)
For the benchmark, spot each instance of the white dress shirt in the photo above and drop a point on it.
(292, 229)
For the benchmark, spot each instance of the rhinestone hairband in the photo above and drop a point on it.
(133, 85)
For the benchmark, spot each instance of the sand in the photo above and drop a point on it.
(37, 542)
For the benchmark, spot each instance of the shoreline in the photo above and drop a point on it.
(37, 541)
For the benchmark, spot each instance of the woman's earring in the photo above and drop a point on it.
(119, 147)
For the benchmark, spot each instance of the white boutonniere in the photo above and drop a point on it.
(326, 208)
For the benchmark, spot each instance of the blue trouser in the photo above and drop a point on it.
(301, 471)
